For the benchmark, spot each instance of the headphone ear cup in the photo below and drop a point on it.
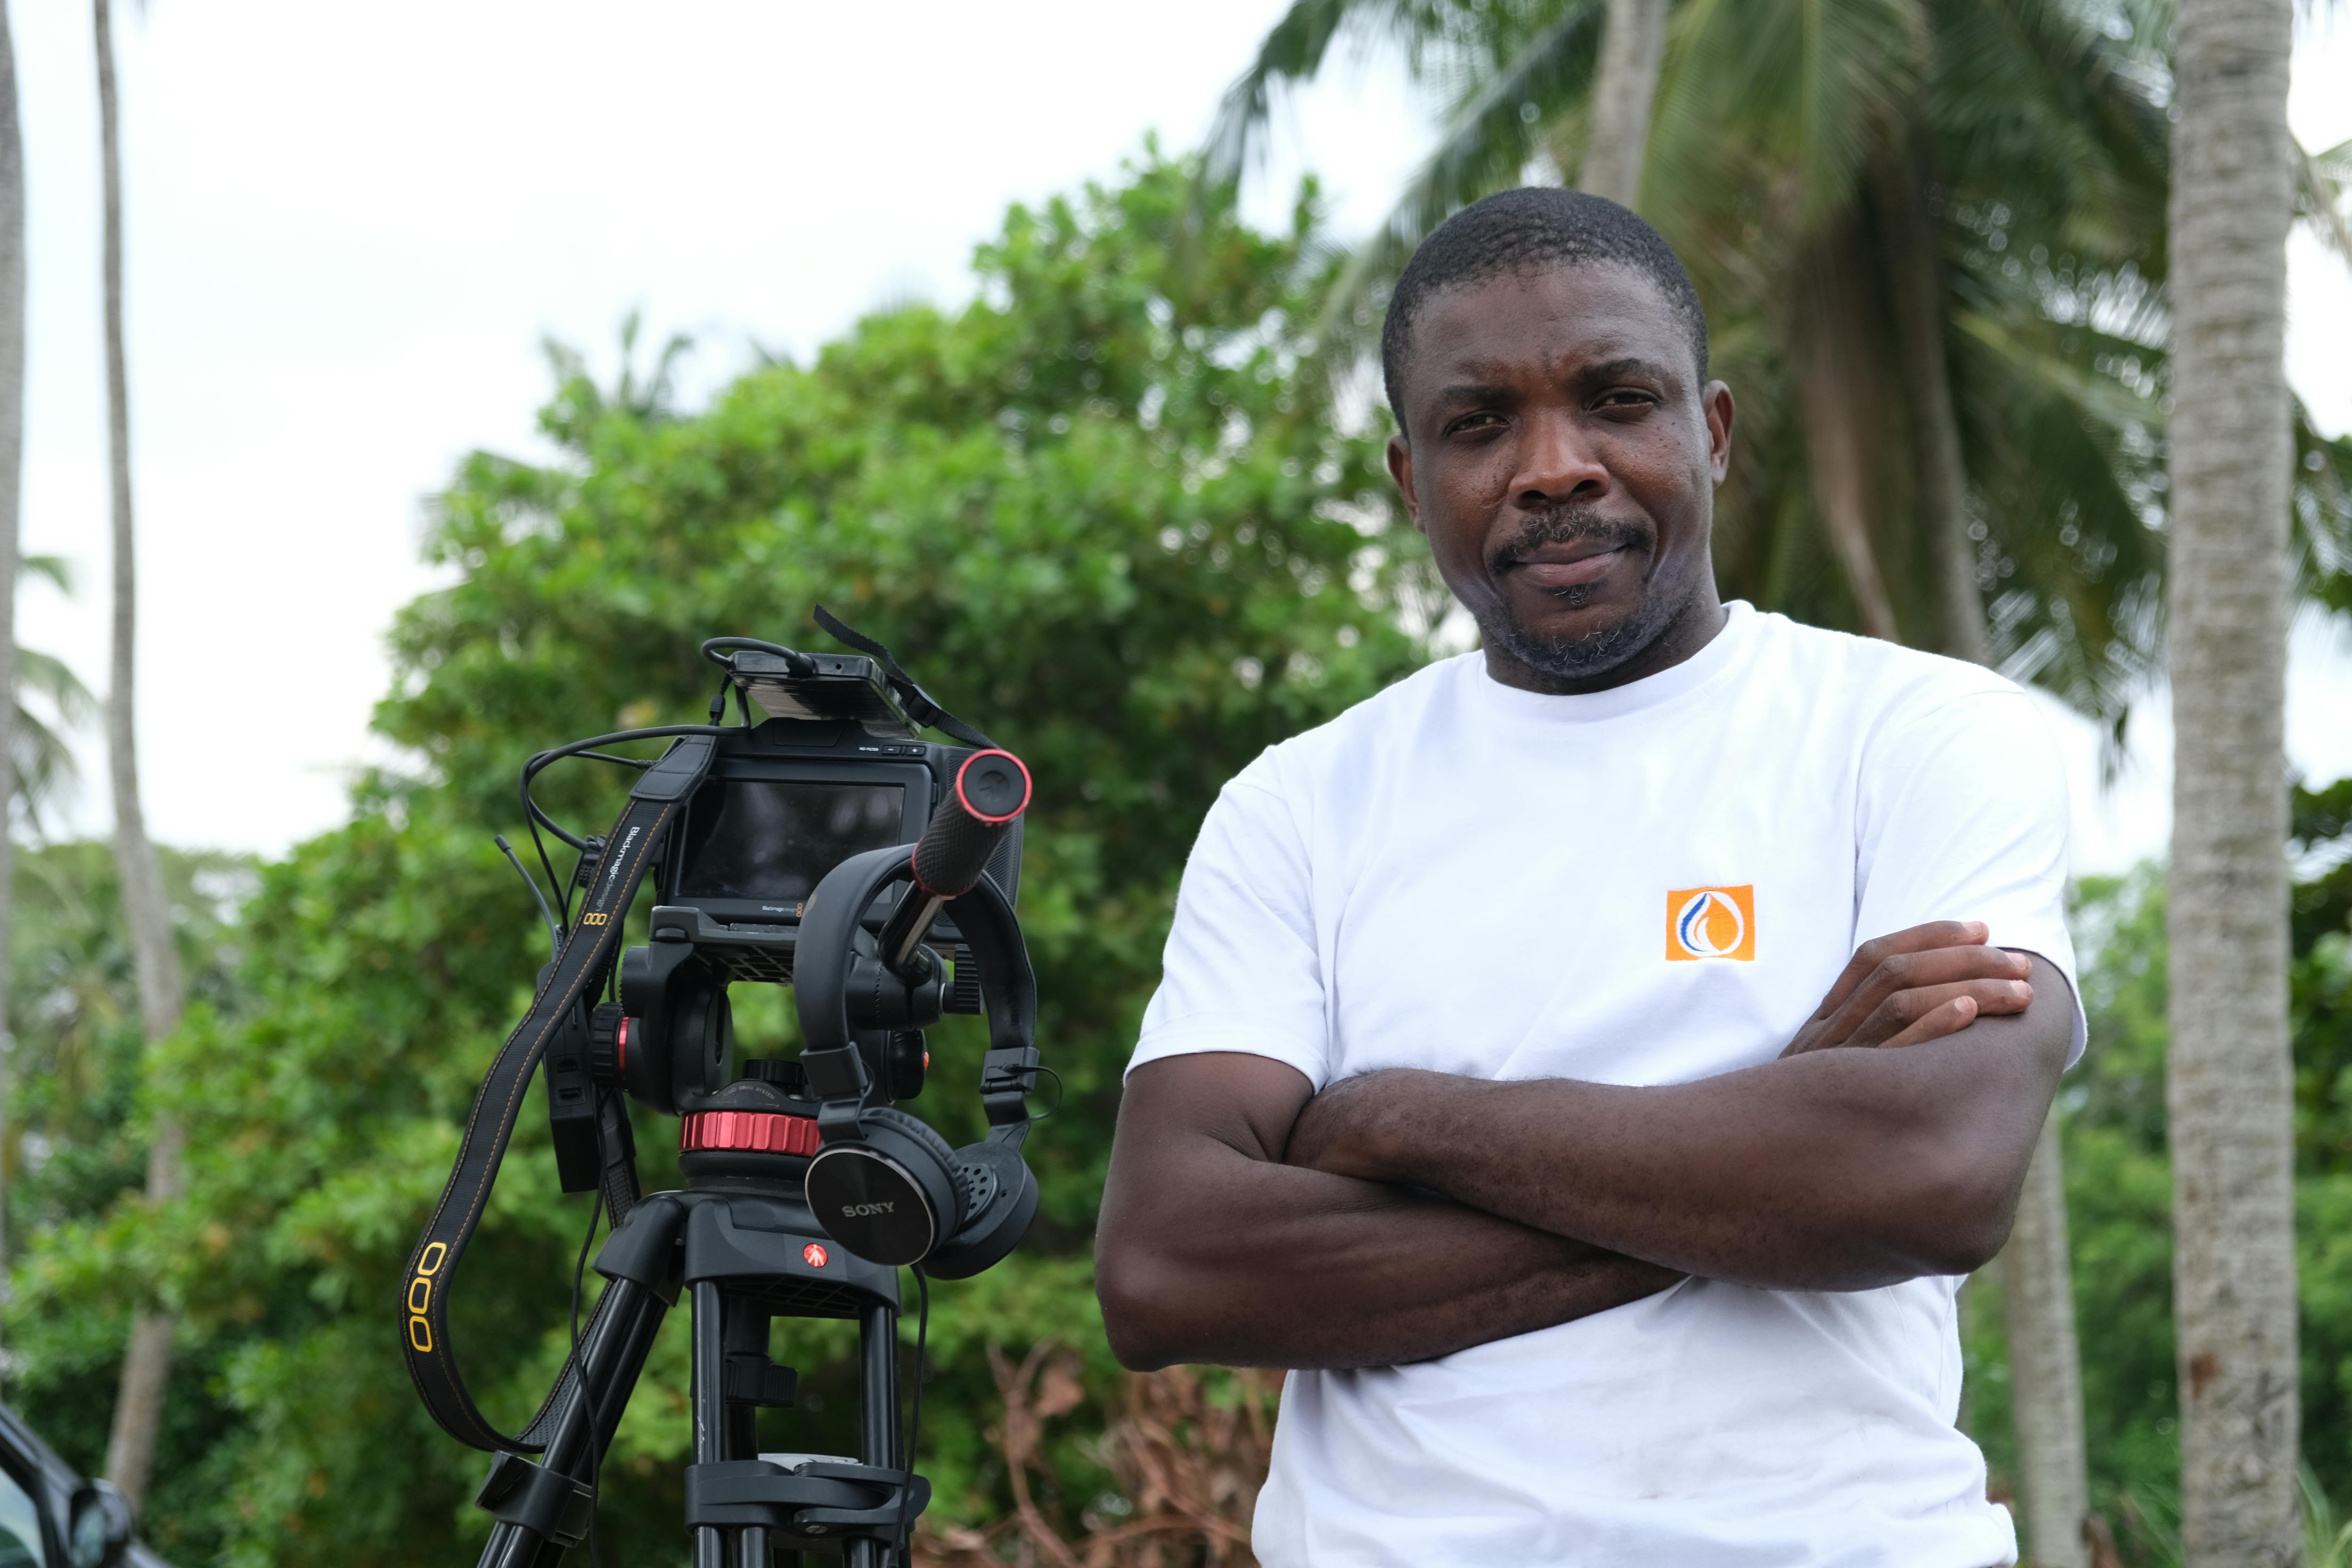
(888, 1196)
(1007, 1193)
(914, 1129)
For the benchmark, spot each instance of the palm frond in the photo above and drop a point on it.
(1293, 51)
(53, 569)
(52, 678)
(44, 764)
(1813, 86)
(2048, 106)
(2321, 515)
(1484, 148)
(43, 759)
(2319, 179)
(2066, 459)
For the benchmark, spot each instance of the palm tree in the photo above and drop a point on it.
(2229, 1090)
(147, 1363)
(12, 469)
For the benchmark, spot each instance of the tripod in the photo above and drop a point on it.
(741, 1241)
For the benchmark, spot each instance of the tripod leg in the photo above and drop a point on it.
(747, 1333)
(878, 1442)
(709, 1407)
(610, 1359)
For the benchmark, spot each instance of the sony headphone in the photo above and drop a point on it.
(882, 1183)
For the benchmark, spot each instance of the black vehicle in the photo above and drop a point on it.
(52, 1517)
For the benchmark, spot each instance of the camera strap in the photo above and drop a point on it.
(587, 958)
(919, 706)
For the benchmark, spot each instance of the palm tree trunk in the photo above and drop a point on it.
(2046, 1368)
(1835, 355)
(1632, 48)
(2037, 1275)
(147, 1362)
(2229, 1090)
(12, 462)
(1917, 265)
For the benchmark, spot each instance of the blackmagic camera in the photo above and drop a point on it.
(835, 770)
(824, 845)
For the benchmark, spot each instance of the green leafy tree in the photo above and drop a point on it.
(75, 1146)
(1104, 510)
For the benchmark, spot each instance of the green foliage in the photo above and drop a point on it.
(75, 1155)
(1100, 512)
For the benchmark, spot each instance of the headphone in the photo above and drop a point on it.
(882, 1183)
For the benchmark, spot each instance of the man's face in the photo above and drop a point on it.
(1562, 458)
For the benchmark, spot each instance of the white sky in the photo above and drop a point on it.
(350, 228)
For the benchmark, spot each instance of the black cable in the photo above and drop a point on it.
(530, 814)
(1059, 1090)
(539, 762)
(554, 930)
(915, 1421)
(798, 664)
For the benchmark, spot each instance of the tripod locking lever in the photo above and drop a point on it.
(550, 1504)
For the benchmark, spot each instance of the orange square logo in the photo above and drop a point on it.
(1711, 922)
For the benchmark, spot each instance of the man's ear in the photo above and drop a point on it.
(1400, 470)
(1716, 403)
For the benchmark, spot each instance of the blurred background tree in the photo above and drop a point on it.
(1105, 510)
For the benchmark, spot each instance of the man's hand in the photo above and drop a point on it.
(1913, 987)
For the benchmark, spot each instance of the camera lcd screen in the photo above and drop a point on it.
(774, 839)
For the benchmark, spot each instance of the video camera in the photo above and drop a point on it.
(828, 847)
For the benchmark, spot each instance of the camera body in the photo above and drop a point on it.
(836, 769)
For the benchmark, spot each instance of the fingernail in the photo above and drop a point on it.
(2021, 992)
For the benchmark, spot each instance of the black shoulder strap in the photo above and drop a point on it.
(920, 708)
(587, 958)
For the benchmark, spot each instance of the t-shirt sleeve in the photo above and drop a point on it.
(1963, 817)
(1242, 972)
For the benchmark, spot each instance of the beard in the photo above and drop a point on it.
(1597, 651)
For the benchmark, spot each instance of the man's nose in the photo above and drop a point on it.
(1558, 463)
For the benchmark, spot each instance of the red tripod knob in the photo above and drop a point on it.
(766, 1132)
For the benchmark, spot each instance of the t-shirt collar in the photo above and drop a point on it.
(1650, 691)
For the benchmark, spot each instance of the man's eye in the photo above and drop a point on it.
(1627, 398)
(1473, 422)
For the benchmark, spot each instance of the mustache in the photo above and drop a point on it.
(1569, 525)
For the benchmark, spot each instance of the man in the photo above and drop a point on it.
(1591, 1064)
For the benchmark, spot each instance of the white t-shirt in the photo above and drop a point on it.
(1646, 884)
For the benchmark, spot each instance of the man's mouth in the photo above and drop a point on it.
(1552, 568)
(1567, 551)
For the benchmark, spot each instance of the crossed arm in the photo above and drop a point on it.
(1403, 1214)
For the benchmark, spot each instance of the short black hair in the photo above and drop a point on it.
(1521, 231)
